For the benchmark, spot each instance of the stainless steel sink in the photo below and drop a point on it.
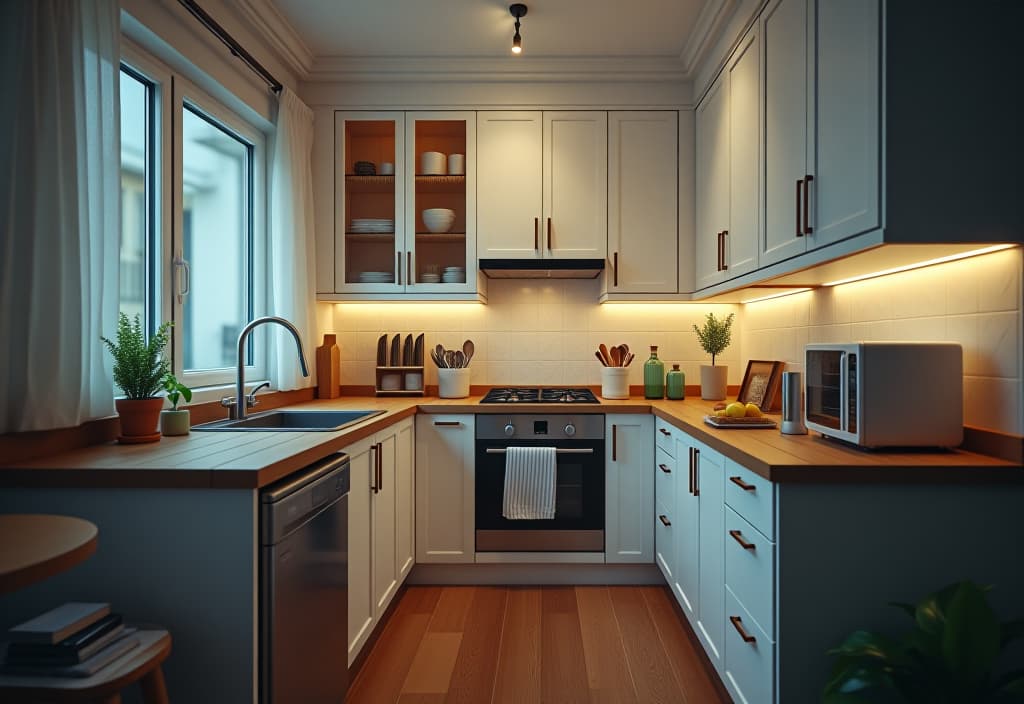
(292, 421)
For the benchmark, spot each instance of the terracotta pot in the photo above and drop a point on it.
(713, 382)
(175, 422)
(139, 417)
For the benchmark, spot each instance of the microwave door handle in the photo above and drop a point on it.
(844, 412)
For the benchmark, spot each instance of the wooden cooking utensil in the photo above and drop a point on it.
(600, 358)
(604, 354)
(468, 349)
(616, 356)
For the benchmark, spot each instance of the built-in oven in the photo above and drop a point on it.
(578, 525)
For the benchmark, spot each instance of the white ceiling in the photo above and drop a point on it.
(484, 28)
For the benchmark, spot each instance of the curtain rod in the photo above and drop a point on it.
(229, 41)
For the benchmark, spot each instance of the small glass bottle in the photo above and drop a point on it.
(654, 376)
(675, 384)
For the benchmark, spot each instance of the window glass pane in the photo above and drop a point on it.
(135, 168)
(216, 234)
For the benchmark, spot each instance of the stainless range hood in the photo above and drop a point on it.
(542, 268)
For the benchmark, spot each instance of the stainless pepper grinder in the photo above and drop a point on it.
(792, 404)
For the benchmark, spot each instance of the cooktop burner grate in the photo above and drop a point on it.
(529, 395)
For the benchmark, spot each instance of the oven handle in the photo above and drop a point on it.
(558, 451)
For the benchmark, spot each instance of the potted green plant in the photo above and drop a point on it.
(715, 335)
(172, 420)
(950, 655)
(139, 370)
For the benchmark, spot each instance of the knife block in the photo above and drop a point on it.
(398, 374)
(328, 368)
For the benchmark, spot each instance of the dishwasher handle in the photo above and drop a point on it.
(295, 500)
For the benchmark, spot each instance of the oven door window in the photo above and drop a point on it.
(579, 490)
(824, 393)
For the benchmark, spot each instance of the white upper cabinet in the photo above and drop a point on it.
(643, 202)
(542, 185)
(712, 182)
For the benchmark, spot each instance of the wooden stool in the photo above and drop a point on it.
(140, 664)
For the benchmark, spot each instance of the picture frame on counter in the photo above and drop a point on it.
(762, 384)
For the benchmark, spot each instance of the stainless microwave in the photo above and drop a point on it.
(886, 394)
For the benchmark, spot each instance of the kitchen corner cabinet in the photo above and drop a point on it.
(445, 486)
(629, 488)
(383, 249)
(728, 178)
(643, 202)
(542, 184)
(380, 526)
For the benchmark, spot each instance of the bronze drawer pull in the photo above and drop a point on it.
(536, 233)
(664, 520)
(448, 423)
(663, 431)
(664, 469)
(742, 484)
(549, 233)
(738, 537)
(737, 623)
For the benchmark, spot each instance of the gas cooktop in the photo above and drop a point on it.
(517, 395)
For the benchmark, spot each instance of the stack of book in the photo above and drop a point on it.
(73, 640)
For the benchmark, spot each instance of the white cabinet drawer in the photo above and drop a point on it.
(664, 540)
(750, 569)
(663, 435)
(665, 479)
(752, 496)
(749, 656)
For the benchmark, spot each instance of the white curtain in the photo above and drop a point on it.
(59, 210)
(292, 263)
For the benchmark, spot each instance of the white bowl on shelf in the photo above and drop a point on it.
(438, 220)
(433, 163)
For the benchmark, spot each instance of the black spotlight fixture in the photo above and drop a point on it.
(518, 10)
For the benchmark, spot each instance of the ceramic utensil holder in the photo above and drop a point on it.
(614, 382)
(453, 383)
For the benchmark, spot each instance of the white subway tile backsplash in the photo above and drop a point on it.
(998, 350)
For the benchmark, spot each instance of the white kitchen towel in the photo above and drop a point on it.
(529, 483)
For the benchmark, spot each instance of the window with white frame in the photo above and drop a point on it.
(206, 230)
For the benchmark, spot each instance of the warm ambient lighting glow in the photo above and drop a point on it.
(920, 265)
(517, 47)
(770, 296)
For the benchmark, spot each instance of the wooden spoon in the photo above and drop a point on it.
(439, 350)
(604, 354)
(623, 351)
(616, 356)
(460, 359)
(600, 358)
(468, 349)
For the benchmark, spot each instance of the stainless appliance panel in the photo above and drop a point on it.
(525, 426)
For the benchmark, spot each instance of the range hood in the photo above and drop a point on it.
(542, 268)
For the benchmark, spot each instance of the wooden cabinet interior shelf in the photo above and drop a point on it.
(440, 184)
(356, 183)
(439, 237)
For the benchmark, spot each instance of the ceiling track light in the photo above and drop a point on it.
(518, 10)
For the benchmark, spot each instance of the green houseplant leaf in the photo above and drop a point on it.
(176, 390)
(970, 641)
(139, 366)
(715, 335)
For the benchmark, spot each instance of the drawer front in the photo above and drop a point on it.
(749, 666)
(665, 479)
(750, 569)
(663, 434)
(751, 496)
(664, 541)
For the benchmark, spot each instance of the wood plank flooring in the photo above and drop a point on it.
(525, 645)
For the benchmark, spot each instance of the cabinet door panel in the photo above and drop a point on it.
(687, 534)
(744, 157)
(509, 172)
(385, 576)
(575, 224)
(629, 489)
(643, 195)
(712, 181)
(360, 547)
(445, 486)
(711, 490)
(405, 495)
(784, 33)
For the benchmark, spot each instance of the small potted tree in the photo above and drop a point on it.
(172, 420)
(715, 335)
(139, 370)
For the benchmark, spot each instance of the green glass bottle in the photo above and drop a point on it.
(654, 376)
(675, 384)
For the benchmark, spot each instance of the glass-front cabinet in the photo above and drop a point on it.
(405, 205)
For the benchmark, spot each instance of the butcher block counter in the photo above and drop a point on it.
(250, 460)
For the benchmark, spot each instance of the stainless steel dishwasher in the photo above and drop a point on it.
(304, 586)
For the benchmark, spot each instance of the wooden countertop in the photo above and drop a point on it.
(247, 460)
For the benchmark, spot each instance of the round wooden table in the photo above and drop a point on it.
(36, 546)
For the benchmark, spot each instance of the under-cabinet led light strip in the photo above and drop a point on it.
(770, 296)
(920, 265)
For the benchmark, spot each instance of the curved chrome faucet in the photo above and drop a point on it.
(240, 397)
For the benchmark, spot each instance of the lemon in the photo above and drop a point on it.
(736, 410)
(753, 411)
(720, 413)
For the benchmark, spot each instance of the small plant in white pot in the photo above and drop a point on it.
(715, 335)
(175, 421)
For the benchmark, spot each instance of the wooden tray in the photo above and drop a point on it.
(744, 423)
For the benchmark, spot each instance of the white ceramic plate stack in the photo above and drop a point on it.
(373, 226)
(454, 275)
(428, 278)
(376, 277)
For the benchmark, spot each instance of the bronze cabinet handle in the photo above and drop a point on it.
(549, 233)
(742, 484)
(696, 471)
(448, 423)
(615, 269)
(376, 461)
(738, 537)
(398, 263)
(408, 268)
(615, 443)
(718, 262)
(536, 233)
(380, 466)
(725, 259)
(737, 623)
(799, 185)
(664, 520)
(689, 486)
(808, 230)
(664, 469)
(663, 431)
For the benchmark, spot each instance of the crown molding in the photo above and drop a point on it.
(706, 30)
(266, 21)
(345, 69)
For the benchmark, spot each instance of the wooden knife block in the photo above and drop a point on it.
(328, 368)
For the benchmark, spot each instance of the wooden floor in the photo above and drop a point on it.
(517, 645)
